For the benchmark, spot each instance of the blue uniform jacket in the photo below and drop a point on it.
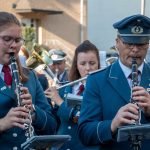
(67, 126)
(106, 91)
(44, 123)
(43, 80)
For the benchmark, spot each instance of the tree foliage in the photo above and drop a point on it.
(29, 35)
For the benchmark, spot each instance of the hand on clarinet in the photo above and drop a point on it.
(127, 114)
(26, 98)
(16, 117)
(142, 98)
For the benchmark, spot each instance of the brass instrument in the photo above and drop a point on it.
(38, 56)
(29, 130)
(51, 75)
(135, 82)
(111, 60)
(55, 83)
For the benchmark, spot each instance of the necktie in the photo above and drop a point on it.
(130, 75)
(136, 78)
(7, 75)
(81, 89)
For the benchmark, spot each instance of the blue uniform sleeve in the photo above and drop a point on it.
(93, 130)
(45, 121)
(65, 112)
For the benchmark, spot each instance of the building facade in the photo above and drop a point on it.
(103, 13)
(58, 23)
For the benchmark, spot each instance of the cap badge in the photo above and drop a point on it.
(137, 30)
(54, 56)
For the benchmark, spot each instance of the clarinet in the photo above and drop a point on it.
(135, 82)
(29, 130)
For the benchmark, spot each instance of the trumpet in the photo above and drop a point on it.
(79, 80)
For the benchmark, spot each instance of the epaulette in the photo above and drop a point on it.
(96, 71)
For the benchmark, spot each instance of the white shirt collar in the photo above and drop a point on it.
(1, 66)
(75, 87)
(127, 71)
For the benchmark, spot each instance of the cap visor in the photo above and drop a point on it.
(57, 61)
(135, 39)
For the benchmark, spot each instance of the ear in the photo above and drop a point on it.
(117, 41)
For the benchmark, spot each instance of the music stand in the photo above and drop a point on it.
(73, 100)
(134, 133)
(45, 141)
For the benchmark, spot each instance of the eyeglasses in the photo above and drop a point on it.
(131, 45)
(8, 40)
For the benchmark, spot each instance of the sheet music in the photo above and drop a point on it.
(73, 100)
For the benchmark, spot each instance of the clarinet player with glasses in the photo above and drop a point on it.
(110, 100)
(21, 105)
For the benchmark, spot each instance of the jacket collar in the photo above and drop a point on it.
(119, 82)
(145, 78)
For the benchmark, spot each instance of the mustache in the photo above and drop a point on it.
(137, 57)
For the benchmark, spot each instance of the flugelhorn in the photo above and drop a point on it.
(39, 56)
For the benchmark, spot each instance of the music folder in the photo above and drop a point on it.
(45, 141)
(130, 131)
(73, 100)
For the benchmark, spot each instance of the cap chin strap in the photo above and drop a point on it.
(142, 35)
